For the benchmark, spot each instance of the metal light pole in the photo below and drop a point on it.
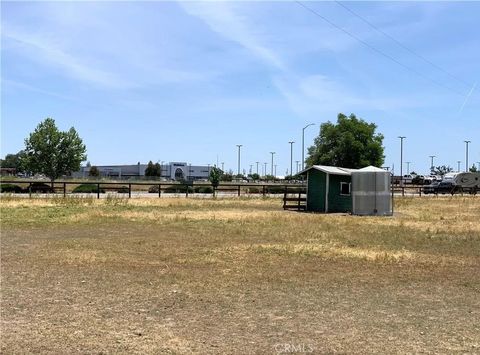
(466, 155)
(275, 171)
(458, 165)
(401, 160)
(222, 167)
(296, 163)
(257, 166)
(250, 172)
(272, 164)
(303, 143)
(291, 157)
(431, 164)
(239, 146)
(265, 169)
(408, 166)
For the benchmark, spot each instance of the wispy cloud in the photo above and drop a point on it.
(222, 18)
(43, 49)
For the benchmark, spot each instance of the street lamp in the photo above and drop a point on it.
(431, 164)
(239, 146)
(466, 155)
(401, 158)
(303, 143)
(271, 168)
(408, 166)
(291, 157)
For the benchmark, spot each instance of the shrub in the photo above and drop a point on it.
(87, 188)
(255, 190)
(40, 187)
(178, 189)
(124, 189)
(153, 189)
(204, 189)
(10, 188)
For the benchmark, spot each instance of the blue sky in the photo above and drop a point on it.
(187, 81)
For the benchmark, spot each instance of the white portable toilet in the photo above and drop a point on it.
(371, 192)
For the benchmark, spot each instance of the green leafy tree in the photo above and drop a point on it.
(52, 152)
(227, 177)
(473, 169)
(94, 172)
(254, 176)
(350, 143)
(153, 170)
(215, 177)
(441, 170)
(13, 161)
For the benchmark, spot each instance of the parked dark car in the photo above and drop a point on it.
(440, 187)
(431, 188)
(446, 187)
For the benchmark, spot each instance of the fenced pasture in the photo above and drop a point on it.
(238, 275)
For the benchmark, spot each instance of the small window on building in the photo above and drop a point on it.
(345, 188)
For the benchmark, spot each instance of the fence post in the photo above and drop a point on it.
(30, 190)
(129, 190)
(263, 192)
(159, 190)
(98, 190)
(186, 189)
(285, 197)
(238, 190)
(299, 197)
(64, 189)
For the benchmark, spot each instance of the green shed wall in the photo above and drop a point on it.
(337, 202)
(316, 188)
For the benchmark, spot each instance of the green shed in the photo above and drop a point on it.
(329, 189)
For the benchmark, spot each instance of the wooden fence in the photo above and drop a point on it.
(158, 188)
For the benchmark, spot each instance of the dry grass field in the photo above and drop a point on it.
(238, 276)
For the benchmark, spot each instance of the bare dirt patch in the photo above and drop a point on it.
(238, 276)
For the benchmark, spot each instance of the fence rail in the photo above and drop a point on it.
(100, 188)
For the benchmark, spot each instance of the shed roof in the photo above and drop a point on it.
(330, 170)
(371, 169)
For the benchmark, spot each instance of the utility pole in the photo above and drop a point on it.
(291, 157)
(239, 146)
(431, 164)
(466, 156)
(303, 143)
(401, 159)
(271, 168)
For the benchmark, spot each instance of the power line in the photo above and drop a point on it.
(378, 51)
(402, 45)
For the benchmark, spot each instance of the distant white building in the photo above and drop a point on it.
(171, 171)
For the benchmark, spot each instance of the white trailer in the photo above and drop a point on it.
(468, 182)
